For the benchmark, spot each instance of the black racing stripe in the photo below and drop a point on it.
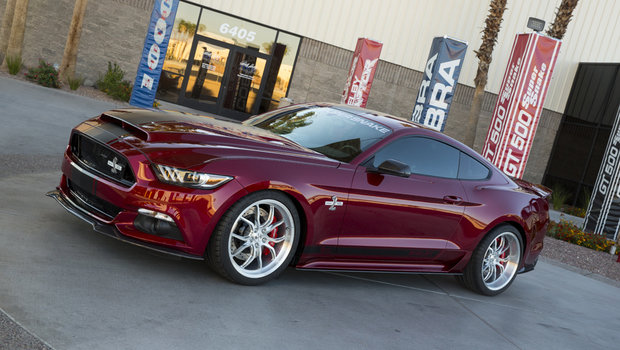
(139, 116)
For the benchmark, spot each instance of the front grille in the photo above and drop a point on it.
(102, 159)
(93, 203)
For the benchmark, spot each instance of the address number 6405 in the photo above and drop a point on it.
(240, 33)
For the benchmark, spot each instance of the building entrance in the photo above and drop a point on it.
(226, 65)
(224, 79)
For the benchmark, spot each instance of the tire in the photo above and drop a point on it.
(253, 249)
(494, 264)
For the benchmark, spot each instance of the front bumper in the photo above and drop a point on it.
(109, 229)
(114, 209)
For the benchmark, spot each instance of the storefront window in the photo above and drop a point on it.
(236, 31)
(226, 65)
(181, 38)
(283, 53)
(286, 68)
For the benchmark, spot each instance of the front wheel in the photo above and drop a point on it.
(255, 239)
(494, 263)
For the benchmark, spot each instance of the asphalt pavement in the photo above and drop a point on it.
(63, 286)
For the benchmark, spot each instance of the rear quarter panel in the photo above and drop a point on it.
(495, 202)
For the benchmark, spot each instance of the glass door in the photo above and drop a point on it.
(204, 75)
(224, 79)
(245, 82)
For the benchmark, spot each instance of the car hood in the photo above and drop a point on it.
(189, 141)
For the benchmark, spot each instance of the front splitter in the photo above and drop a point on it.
(110, 230)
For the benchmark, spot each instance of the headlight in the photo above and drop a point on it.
(188, 178)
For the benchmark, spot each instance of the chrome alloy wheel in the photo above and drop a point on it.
(261, 238)
(501, 261)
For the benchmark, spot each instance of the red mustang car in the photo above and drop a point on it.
(318, 186)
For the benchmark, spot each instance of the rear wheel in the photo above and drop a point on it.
(255, 239)
(494, 263)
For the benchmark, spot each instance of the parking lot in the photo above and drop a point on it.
(75, 289)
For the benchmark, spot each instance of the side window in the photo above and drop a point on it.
(471, 169)
(423, 155)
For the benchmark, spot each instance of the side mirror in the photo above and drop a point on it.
(394, 167)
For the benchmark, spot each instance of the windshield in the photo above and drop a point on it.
(337, 134)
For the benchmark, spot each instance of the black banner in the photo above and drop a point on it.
(603, 215)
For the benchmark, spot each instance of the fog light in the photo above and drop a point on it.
(159, 224)
(156, 215)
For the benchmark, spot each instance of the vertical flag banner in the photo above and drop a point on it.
(603, 215)
(520, 102)
(155, 46)
(441, 74)
(361, 73)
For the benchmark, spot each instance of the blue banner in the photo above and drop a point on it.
(441, 74)
(154, 52)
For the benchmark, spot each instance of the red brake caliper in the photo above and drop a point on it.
(272, 234)
(503, 256)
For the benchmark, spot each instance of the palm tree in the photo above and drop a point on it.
(18, 26)
(489, 38)
(287, 124)
(562, 17)
(268, 46)
(69, 57)
(5, 31)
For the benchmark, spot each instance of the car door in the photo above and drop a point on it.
(409, 220)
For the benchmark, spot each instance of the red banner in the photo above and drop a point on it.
(361, 73)
(520, 102)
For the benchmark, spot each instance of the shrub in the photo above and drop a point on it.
(112, 83)
(75, 82)
(568, 232)
(45, 74)
(14, 63)
(559, 197)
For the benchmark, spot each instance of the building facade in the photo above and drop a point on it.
(253, 53)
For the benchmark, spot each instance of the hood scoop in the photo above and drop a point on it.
(133, 129)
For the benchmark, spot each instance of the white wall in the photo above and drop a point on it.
(406, 28)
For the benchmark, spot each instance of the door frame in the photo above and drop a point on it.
(218, 108)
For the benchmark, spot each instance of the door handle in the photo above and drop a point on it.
(453, 199)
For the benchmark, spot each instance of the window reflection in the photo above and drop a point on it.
(179, 47)
(244, 82)
(286, 68)
(284, 52)
(169, 86)
(235, 31)
(181, 38)
(207, 72)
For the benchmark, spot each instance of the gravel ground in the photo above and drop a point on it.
(590, 262)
